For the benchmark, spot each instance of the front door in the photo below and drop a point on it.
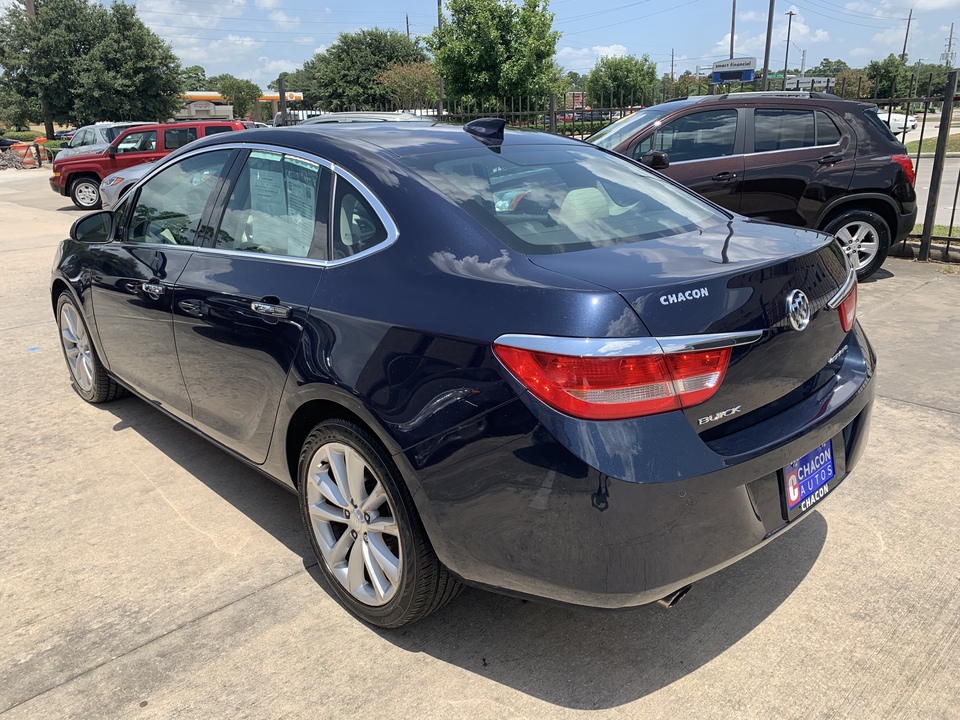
(133, 277)
(705, 153)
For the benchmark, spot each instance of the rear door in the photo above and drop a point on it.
(242, 301)
(705, 149)
(801, 159)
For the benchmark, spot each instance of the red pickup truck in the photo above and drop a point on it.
(79, 176)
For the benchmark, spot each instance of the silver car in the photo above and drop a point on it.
(114, 186)
(94, 138)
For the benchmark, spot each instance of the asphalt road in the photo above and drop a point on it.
(145, 574)
(946, 200)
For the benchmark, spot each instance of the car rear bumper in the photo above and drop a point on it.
(905, 224)
(622, 513)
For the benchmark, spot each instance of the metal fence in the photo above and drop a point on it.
(933, 111)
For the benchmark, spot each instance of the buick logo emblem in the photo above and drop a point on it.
(798, 310)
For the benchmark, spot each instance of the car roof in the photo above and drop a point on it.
(400, 139)
(762, 97)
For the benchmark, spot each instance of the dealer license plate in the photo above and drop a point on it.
(807, 480)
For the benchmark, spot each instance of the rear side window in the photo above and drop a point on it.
(356, 226)
(783, 130)
(274, 207)
(697, 136)
(874, 119)
(217, 129)
(552, 199)
(174, 138)
(827, 132)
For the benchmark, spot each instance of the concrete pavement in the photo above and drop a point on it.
(143, 573)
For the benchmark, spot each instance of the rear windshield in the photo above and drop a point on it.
(552, 199)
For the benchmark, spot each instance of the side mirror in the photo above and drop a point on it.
(112, 150)
(655, 159)
(93, 228)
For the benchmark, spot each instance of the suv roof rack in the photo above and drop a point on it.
(790, 94)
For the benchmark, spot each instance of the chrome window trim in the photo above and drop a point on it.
(628, 347)
(844, 290)
(796, 149)
(378, 207)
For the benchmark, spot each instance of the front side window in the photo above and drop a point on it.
(698, 136)
(274, 207)
(170, 205)
(174, 138)
(144, 141)
(541, 200)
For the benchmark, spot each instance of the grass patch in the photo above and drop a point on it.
(930, 144)
(938, 230)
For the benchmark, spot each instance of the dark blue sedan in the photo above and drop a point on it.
(481, 356)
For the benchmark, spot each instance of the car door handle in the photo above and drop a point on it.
(724, 177)
(270, 310)
(153, 288)
(830, 159)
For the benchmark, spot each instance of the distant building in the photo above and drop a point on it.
(206, 105)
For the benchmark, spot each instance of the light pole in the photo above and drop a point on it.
(733, 27)
(786, 59)
(766, 52)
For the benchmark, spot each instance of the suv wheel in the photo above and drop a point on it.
(85, 193)
(865, 236)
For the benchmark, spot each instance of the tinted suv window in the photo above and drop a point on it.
(170, 205)
(827, 132)
(697, 136)
(273, 207)
(214, 129)
(783, 130)
(174, 138)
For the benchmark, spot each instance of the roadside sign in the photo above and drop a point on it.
(735, 70)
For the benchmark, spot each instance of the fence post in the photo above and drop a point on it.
(553, 113)
(938, 161)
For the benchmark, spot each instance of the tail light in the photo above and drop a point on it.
(906, 163)
(848, 309)
(610, 388)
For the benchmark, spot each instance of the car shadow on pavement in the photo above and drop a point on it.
(573, 657)
(881, 274)
(271, 506)
(591, 659)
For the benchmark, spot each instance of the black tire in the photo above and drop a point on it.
(423, 585)
(83, 190)
(99, 387)
(867, 262)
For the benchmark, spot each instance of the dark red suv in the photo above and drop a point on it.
(79, 176)
(806, 159)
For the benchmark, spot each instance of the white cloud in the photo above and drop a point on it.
(582, 60)
(266, 3)
(283, 20)
(752, 16)
(801, 35)
(862, 52)
(937, 5)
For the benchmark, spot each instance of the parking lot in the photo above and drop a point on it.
(143, 573)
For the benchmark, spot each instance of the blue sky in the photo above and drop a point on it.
(258, 39)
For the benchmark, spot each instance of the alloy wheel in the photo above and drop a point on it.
(860, 242)
(87, 194)
(353, 523)
(76, 346)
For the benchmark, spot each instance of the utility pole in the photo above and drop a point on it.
(408, 27)
(733, 27)
(764, 85)
(786, 59)
(803, 63)
(903, 55)
(671, 64)
(948, 56)
(440, 43)
(31, 9)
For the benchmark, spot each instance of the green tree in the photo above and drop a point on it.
(194, 79)
(828, 68)
(411, 86)
(78, 61)
(348, 72)
(492, 49)
(576, 80)
(634, 79)
(131, 74)
(242, 94)
(883, 74)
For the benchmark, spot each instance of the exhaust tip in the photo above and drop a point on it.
(673, 598)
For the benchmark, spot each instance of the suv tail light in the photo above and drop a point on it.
(610, 388)
(848, 309)
(906, 163)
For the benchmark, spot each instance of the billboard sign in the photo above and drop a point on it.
(735, 70)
